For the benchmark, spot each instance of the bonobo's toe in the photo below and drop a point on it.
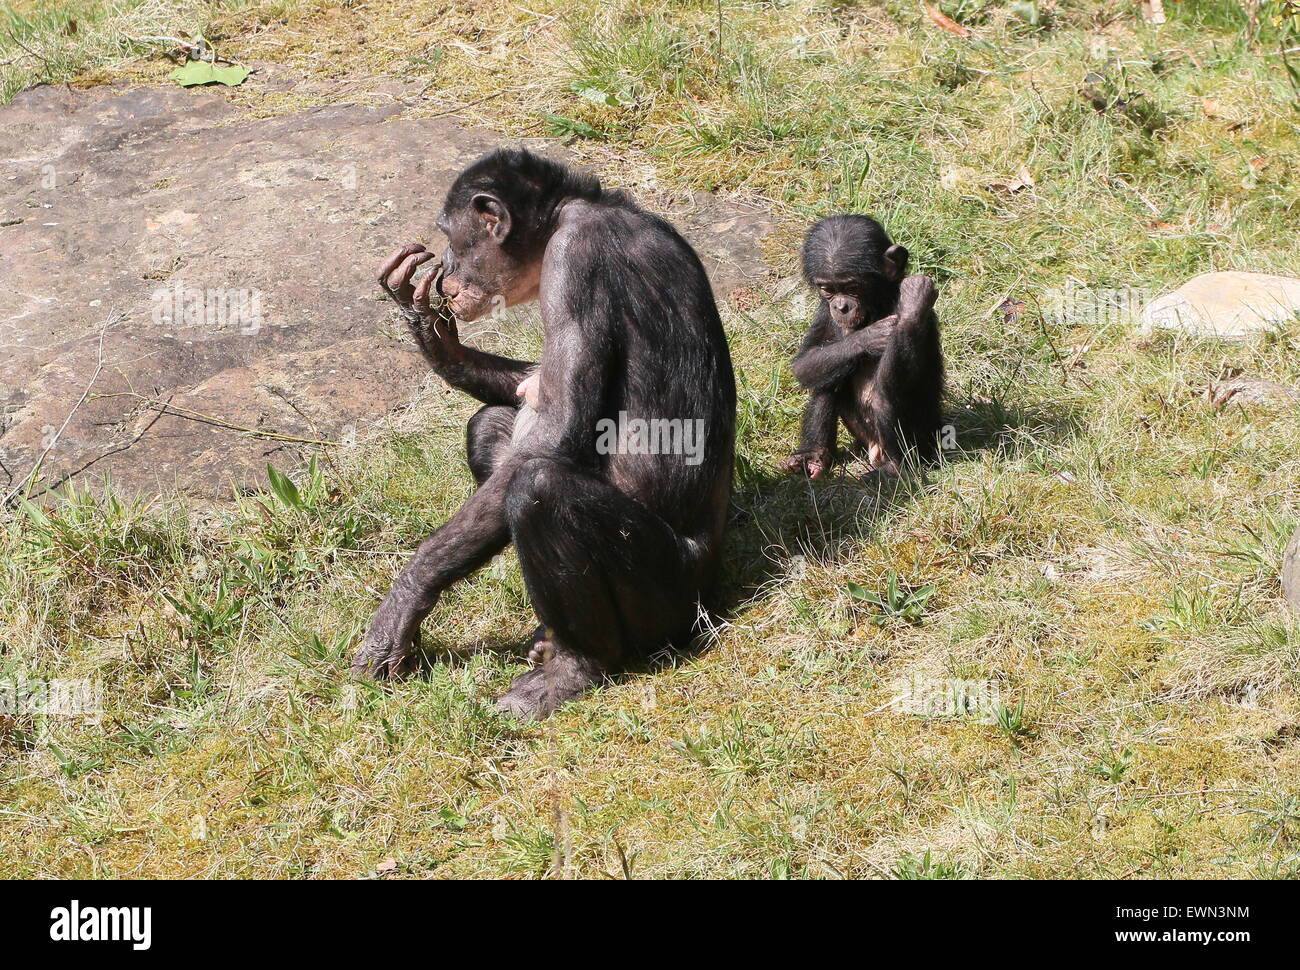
(541, 651)
(526, 700)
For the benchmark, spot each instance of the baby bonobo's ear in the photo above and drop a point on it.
(896, 263)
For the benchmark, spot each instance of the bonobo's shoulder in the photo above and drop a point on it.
(614, 213)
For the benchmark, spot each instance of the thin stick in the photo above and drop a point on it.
(191, 415)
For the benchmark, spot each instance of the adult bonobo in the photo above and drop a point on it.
(871, 357)
(618, 546)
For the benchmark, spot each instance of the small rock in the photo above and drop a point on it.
(1251, 390)
(1229, 306)
(1291, 572)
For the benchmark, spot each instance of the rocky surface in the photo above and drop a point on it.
(158, 245)
(1227, 306)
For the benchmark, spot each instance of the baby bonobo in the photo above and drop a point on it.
(871, 357)
(618, 548)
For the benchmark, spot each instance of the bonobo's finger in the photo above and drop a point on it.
(421, 298)
(395, 260)
(423, 305)
(399, 282)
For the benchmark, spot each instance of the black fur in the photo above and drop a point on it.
(617, 550)
(884, 380)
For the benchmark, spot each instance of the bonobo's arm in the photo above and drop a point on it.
(824, 361)
(489, 377)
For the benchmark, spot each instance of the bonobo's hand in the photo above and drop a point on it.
(874, 337)
(399, 269)
(388, 651)
(813, 463)
(916, 296)
(431, 323)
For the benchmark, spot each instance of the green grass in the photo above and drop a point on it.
(1101, 547)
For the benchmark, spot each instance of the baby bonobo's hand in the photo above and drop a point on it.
(916, 296)
(528, 390)
(874, 337)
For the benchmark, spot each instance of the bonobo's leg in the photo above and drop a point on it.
(487, 439)
(816, 454)
(608, 578)
(906, 394)
(470, 538)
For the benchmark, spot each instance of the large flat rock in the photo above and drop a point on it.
(1226, 306)
(122, 209)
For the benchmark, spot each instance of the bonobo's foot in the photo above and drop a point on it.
(814, 464)
(880, 465)
(887, 469)
(390, 647)
(916, 296)
(562, 677)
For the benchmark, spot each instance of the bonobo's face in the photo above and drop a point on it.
(846, 299)
(478, 274)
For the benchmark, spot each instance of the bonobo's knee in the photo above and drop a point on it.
(532, 484)
(487, 432)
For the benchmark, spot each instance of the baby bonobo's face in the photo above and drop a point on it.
(844, 301)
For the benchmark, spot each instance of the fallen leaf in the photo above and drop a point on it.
(946, 22)
(388, 865)
(1209, 107)
(205, 72)
(1011, 309)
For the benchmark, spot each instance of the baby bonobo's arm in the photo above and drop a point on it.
(823, 366)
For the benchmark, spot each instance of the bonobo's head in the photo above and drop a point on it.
(854, 267)
(498, 216)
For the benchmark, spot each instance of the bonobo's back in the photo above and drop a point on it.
(673, 365)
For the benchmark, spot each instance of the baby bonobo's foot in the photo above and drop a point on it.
(562, 677)
(813, 464)
(916, 296)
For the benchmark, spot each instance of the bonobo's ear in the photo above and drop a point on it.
(896, 263)
(493, 212)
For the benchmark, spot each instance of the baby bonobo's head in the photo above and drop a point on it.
(855, 268)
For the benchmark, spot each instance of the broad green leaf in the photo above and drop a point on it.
(285, 490)
(204, 72)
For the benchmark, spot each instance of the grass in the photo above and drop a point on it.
(1100, 548)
